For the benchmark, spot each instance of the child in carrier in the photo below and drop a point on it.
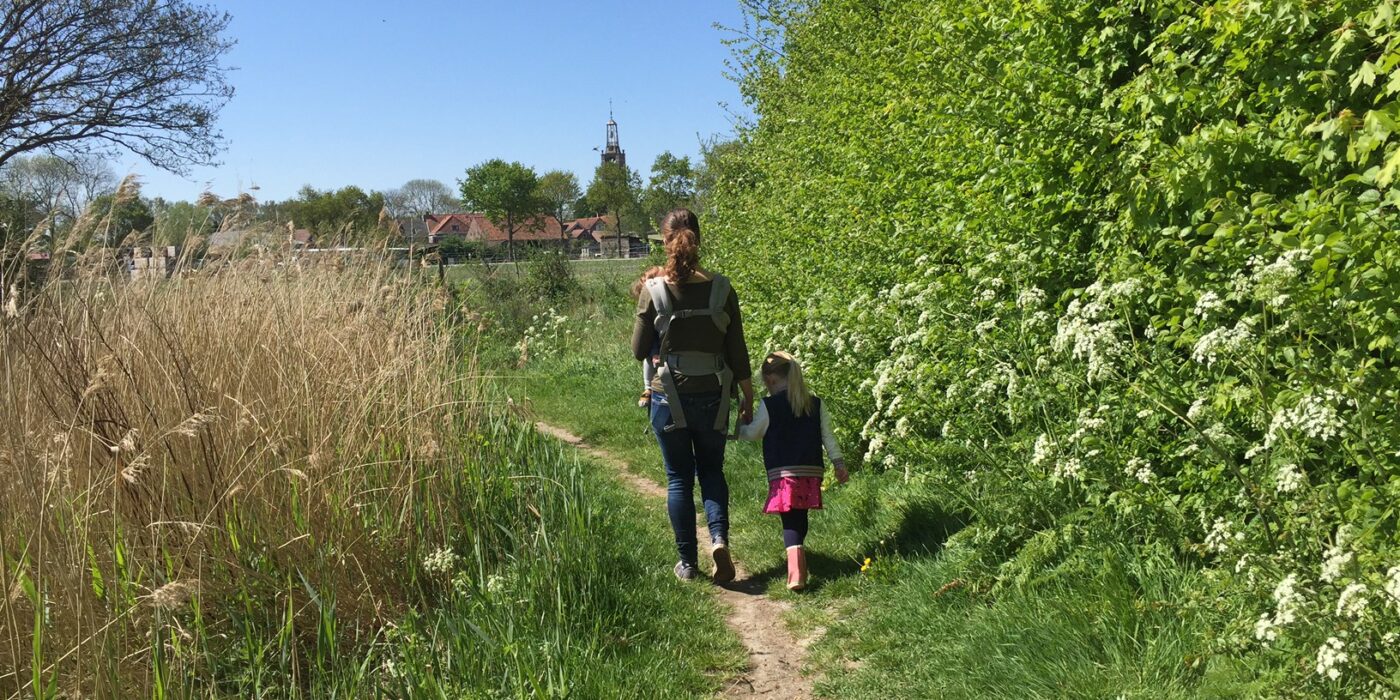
(794, 426)
(649, 366)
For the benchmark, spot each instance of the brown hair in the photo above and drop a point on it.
(680, 231)
(642, 281)
(783, 364)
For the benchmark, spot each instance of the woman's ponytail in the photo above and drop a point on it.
(680, 231)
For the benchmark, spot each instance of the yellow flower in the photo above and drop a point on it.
(866, 566)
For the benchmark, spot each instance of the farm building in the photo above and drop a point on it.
(588, 237)
(540, 232)
(596, 236)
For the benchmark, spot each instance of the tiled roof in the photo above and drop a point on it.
(588, 227)
(476, 227)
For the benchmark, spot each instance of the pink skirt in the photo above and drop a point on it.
(794, 493)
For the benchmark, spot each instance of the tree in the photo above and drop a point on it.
(144, 76)
(506, 193)
(458, 248)
(583, 206)
(59, 188)
(177, 222)
(719, 159)
(420, 196)
(672, 186)
(121, 214)
(348, 212)
(615, 189)
(17, 217)
(559, 190)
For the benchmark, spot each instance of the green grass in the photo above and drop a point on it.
(578, 610)
(584, 268)
(1099, 625)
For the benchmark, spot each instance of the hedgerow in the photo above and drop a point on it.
(1106, 273)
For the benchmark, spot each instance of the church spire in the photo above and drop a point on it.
(612, 152)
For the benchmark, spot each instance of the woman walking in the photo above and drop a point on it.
(688, 324)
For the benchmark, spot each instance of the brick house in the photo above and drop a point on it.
(587, 234)
(473, 227)
(596, 236)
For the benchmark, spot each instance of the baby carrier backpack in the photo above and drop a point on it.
(689, 362)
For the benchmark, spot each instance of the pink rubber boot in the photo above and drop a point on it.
(797, 568)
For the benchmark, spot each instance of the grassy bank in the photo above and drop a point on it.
(277, 481)
(908, 608)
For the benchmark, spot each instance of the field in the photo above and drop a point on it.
(281, 482)
(584, 268)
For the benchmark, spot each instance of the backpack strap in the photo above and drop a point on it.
(719, 296)
(662, 303)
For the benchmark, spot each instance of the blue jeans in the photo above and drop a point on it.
(690, 454)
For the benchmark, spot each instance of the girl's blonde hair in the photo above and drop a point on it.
(783, 364)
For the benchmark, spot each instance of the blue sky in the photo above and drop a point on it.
(375, 93)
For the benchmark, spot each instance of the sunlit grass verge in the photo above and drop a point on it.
(281, 481)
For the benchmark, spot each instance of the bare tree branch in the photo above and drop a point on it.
(140, 75)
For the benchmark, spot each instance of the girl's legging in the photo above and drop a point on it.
(794, 527)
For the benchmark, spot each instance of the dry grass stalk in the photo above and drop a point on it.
(254, 406)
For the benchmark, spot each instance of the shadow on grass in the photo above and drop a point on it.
(923, 530)
(821, 569)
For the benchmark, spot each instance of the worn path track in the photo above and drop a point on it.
(775, 656)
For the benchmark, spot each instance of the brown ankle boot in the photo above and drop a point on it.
(797, 568)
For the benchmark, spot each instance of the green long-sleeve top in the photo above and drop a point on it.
(695, 334)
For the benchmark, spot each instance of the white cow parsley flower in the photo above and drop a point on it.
(1140, 469)
(1287, 600)
(1222, 343)
(1288, 478)
(1209, 303)
(1031, 298)
(1353, 601)
(1330, 656)
(1392, 586)
(1314, 416)
(1265, 629)
(1043, 451)
(1069, 469)
(1221, 536)
(1334, 562)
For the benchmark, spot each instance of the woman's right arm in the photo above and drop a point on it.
(736, 353)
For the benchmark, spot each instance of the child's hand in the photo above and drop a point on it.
(842, 476)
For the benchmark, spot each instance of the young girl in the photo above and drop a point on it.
(648, 365)
(794, 426)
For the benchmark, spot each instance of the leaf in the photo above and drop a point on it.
(1365, 75)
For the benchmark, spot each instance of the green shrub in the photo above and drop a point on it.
(551, 276)
(1113, 273)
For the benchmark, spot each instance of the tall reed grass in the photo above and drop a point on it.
(219, 466)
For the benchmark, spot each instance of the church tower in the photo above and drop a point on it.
(612, 152)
